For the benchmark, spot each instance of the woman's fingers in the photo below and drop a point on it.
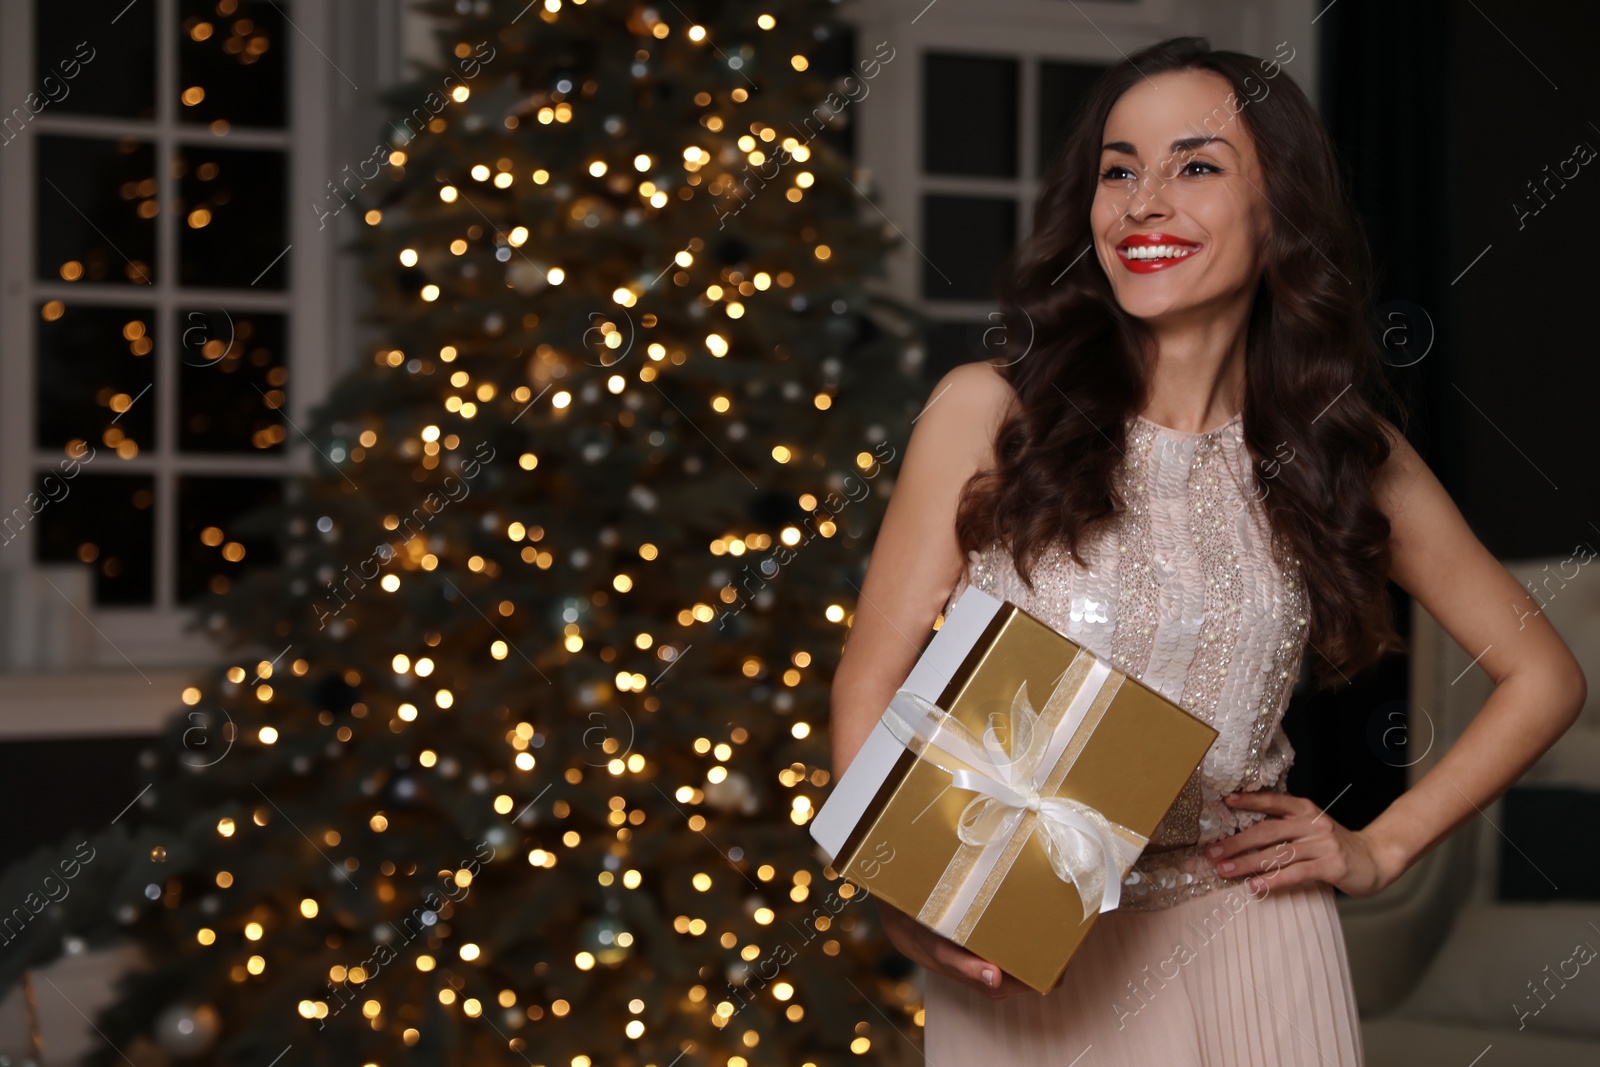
(968, 965)
(977, 971)
(936, 952)
(1267, 832)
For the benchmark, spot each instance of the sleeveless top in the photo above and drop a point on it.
(1188, 592)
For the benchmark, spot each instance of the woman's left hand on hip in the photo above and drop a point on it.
(1297, 842)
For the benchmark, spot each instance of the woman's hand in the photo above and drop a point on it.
(938, 953)
(1299, 842)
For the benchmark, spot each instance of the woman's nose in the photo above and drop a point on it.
(1148, 199)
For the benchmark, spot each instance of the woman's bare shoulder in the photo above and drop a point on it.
(970, 402)
(917, 558)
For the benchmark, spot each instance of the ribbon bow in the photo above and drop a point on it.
(1081, 843)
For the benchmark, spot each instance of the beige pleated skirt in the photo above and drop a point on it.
(1230, 978)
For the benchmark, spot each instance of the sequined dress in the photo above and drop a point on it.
(1189, 593)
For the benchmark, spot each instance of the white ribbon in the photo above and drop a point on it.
(1083, 846)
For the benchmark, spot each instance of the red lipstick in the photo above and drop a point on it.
(1146, 253)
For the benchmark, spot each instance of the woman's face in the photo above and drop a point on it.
(1180, 219)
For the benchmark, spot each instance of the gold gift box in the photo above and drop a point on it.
(893, 821)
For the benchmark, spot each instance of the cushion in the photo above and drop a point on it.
(1528, 967)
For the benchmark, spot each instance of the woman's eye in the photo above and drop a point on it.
(1116, 171)
(1209, 169)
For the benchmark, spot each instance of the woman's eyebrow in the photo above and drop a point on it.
(1183, 144)
(1190, 144)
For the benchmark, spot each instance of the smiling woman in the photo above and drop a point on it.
(1228, 265)
(1108, 483)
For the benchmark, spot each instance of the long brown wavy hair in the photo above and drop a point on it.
(1314, 380)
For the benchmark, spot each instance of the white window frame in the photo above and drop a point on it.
(125, 665)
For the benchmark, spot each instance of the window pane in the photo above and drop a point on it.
(231, 222)
(969, 115)
(96, 210)
(108, 522)
(231, 382)
(93, 378)
(964, 240)
(96, 57)
(1063, 88)
(951, 344)
(215, 541)
(231, 63)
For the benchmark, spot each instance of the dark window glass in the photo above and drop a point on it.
(93, 378)
(969, 115)
(951, 344)
(231, 222)
(231, 382)
(96, 57)
(96, 217)
(216, 539)
(1063, 89)
(231, 59)
(964, 241)
(108, 522)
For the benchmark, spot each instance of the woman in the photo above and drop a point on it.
(1186, 474)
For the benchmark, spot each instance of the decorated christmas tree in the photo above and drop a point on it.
(511, 757)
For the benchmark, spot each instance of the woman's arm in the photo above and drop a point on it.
(1539, 687)
(912, 571)
(915, 561)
